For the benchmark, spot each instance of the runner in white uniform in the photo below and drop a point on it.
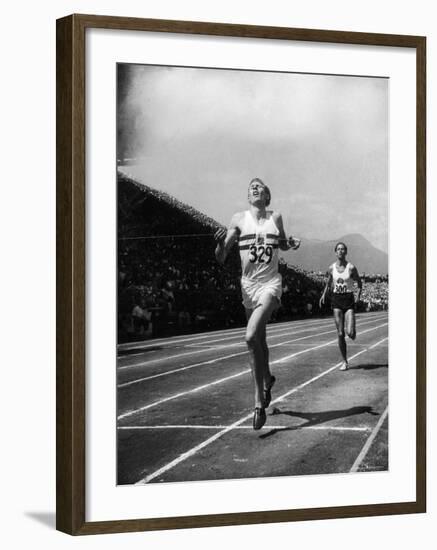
(259, 252)
(341, 277)
(260, 234)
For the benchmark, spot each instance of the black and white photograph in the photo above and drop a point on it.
(252, 274)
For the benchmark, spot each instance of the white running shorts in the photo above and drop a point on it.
(253, 291)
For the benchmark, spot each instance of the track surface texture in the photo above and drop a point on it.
(185, 405)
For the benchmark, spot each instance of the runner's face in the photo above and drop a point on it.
(341, 252)
(257, 193)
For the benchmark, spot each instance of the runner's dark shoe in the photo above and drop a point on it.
(259, 418)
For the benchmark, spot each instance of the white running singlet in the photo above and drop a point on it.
(343, 282)
(259, 248)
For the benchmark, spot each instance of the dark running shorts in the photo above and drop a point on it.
(343, 301)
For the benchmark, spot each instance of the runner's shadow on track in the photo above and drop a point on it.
(316, 418)
(369, 366)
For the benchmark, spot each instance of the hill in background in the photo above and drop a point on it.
(317, 255)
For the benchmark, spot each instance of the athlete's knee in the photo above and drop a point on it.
(340, 332)
(352, 334)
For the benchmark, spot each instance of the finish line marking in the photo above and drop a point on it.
(248, 427)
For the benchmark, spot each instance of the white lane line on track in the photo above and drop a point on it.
(378, 343)
(200, 446)
(270, 334)
(216, 359)
(227, 378)
(285, 395)
(248, 427)
(213, 334)
(238, 344)
(369, 442)
(146, 344)
(205, 350)
(273, 331)
(351, 345)
(176, 340)
(223, 357)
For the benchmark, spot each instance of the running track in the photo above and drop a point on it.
(185, 405)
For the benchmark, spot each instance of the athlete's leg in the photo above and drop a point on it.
(257, 345)
(339, 323)
(349, 318)
(265, 348)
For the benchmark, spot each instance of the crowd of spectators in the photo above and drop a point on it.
(375, 292)
(169, 281)
(300, 292)
(180, 283)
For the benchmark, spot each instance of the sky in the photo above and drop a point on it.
(320, 142)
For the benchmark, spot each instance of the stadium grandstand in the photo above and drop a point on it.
(169, 281)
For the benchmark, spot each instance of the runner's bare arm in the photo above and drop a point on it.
(284, 242)
(226, 238)
(327, 287)
(356, 277)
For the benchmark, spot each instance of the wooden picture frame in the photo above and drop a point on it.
(71, 253)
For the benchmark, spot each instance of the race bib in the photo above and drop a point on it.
(260, 254)
(340, 287)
